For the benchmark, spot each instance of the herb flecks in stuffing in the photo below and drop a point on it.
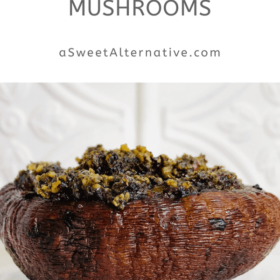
(121, 175)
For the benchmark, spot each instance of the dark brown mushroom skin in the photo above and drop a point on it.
(213, 235)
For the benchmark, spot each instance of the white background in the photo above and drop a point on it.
(33, 32)
(235, 125)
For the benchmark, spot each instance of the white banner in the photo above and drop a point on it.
(151, 41)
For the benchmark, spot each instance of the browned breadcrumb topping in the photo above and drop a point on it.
(120, 175)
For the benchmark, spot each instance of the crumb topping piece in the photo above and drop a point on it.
(120, 175)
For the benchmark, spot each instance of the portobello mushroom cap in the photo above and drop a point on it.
(206, 233)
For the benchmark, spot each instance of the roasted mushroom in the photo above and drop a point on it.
(125, 214)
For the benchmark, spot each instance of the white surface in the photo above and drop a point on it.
(33, 32)
(236, 125)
